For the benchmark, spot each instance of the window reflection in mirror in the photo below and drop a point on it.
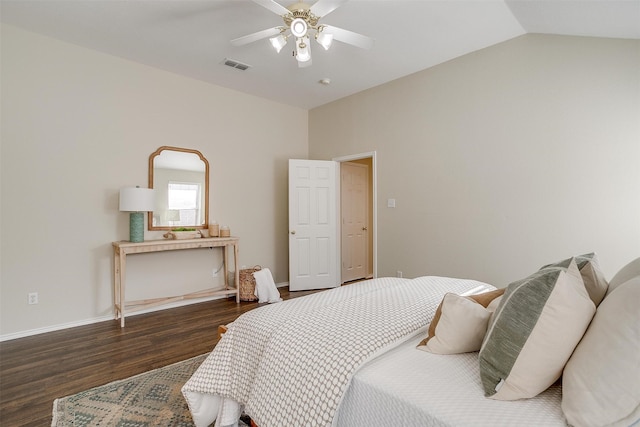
(180, 177)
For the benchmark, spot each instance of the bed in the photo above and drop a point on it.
(348, 356)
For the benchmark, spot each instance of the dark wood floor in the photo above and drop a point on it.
(36, 370)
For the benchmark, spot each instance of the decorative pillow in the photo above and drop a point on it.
(460, 323)
(592, 276)
(625, 274)
(601, 382)
(533, 332)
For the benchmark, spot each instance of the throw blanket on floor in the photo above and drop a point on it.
(290, 363)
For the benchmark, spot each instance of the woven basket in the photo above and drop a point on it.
(248, 284)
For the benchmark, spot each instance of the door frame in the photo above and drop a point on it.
(374, 193)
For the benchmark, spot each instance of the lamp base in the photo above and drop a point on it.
(136, 227)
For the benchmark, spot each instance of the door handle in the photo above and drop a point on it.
(293, 231)
(364, 228)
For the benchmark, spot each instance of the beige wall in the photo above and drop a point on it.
(78, 125)
(502, 160)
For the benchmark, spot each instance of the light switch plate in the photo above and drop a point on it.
(391, 203)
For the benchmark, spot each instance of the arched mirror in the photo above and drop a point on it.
(181, 179)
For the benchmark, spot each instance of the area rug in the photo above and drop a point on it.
(149, 399)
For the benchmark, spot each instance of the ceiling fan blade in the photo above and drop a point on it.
(324, 7)
(274, 7)
(349, 37)
(250, 38)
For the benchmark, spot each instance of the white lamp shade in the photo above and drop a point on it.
(173, 215)
(303, 54)
(136, 199)
(278, 42)
(324, 40)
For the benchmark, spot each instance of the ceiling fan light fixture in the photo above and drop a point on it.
(299, 27)
(303, 53)
(324, 39)
(301, 22)
(278, 42)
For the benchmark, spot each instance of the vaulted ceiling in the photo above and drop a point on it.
(192, 38)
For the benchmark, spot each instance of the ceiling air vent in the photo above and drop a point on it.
(236, 64)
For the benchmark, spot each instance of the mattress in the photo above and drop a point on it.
(408, 387)
(288, 364)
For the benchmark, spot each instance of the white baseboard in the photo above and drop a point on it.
(52, 328)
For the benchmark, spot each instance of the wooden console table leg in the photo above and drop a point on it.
(226, 268)
(122, 278)
(237, 272)
(116, 283)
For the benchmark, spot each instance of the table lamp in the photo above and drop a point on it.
(136, 200)
(173, 216)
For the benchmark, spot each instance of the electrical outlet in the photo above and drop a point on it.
(33, 298)
(398, 273)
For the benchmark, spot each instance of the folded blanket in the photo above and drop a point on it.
(266, 290)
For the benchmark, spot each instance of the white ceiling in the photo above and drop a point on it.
(191, 38)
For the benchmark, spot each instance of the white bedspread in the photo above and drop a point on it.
(407, 387)
(290, 363)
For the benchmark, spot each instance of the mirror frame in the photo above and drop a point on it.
(206, 187)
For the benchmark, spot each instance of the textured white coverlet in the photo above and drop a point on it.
(290, 363)
(406, 387)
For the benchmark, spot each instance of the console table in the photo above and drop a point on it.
(124, 248)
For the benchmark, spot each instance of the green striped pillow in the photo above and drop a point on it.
(533, 332)
(592, 276)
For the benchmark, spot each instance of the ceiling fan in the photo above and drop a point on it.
(301, 23)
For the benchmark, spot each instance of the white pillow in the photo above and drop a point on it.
(625, 274)
(460, 323)
(601, 382)
(461, 327)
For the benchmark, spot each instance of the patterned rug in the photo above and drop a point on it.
(150, 399)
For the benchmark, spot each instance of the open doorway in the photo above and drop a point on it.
(316, 255)
(357, 216)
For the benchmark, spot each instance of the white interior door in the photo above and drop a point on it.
(313, 249)
(354, 193)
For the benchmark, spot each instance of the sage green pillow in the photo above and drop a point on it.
(533, 332)
(592, 276)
